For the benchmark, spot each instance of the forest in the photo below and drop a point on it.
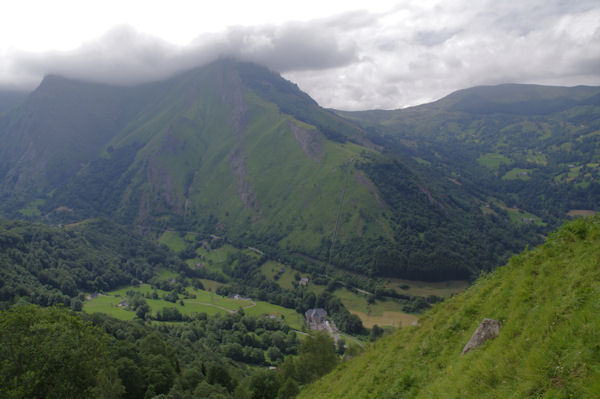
(54, 353)
(158, 353)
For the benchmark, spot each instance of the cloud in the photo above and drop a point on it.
(125, 56)
(415, 52)
(421, 51)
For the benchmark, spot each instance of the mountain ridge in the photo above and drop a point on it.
(234, 149)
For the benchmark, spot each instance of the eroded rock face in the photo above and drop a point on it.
(488, 329)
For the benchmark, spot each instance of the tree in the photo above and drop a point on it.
(376, 332)
(159, 372)
(50, 353)
(218, 374)
(109, 385)
(288, 390)
(264, 384)
(143, 310)
(341, 346)
(76, 305)
(317, 356)
(131, 376)
(274, 354)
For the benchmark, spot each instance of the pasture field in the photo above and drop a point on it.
(517, 173)
(286, 279)
(581, 213)
(516, 215)
(493, 160)
(210, 285)
(426, 288)
(205, 302)
(172, 240)
(382, 313)
(392, 319)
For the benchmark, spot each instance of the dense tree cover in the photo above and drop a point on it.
(317, 356)
(97, 190)
(554, 140)
(439, 232)
(507, 147)
(195, 356)
(51, 352)
(50, 265)
(247, 279)
(48, 353)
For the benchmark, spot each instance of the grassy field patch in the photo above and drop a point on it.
(518, 216)
(290, 316)
(581, 212)
(426, 288)
(382, 313)
(392, 319)
(166, 274)
(172, 240)
(518, 173)
(107, 304)
(287, 279)
(210, 285)
(32, 209)
(204, 302)
(493, 160)
(422, 161)
(537, 158)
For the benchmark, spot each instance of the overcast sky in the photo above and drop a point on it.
(347, 55)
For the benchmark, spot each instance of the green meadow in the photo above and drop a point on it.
(493, 160)
(204, 302)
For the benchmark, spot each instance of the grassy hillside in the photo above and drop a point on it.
(207, 151)
(548, 302)
(534, 147)
(233, 149)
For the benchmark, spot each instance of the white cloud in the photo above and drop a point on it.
(416, 51)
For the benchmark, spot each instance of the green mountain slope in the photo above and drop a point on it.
(532, 151)
(60, 127)
(235, 150)
(547, 300)
(199, 148)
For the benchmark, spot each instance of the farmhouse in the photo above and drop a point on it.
(316, 318)
(238, 297)
(303, 282)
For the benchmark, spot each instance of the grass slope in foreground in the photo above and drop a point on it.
(548, 300)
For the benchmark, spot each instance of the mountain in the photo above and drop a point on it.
(527, 148)
(547, 301)
(207, 149)
(235, 150)
(10, 99)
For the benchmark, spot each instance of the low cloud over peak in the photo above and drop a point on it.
(124, 55)
(413, 53)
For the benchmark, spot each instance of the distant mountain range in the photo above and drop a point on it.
(535, 148)
(439, 191)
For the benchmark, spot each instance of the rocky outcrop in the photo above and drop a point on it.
(310, 141)
(488, 329)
